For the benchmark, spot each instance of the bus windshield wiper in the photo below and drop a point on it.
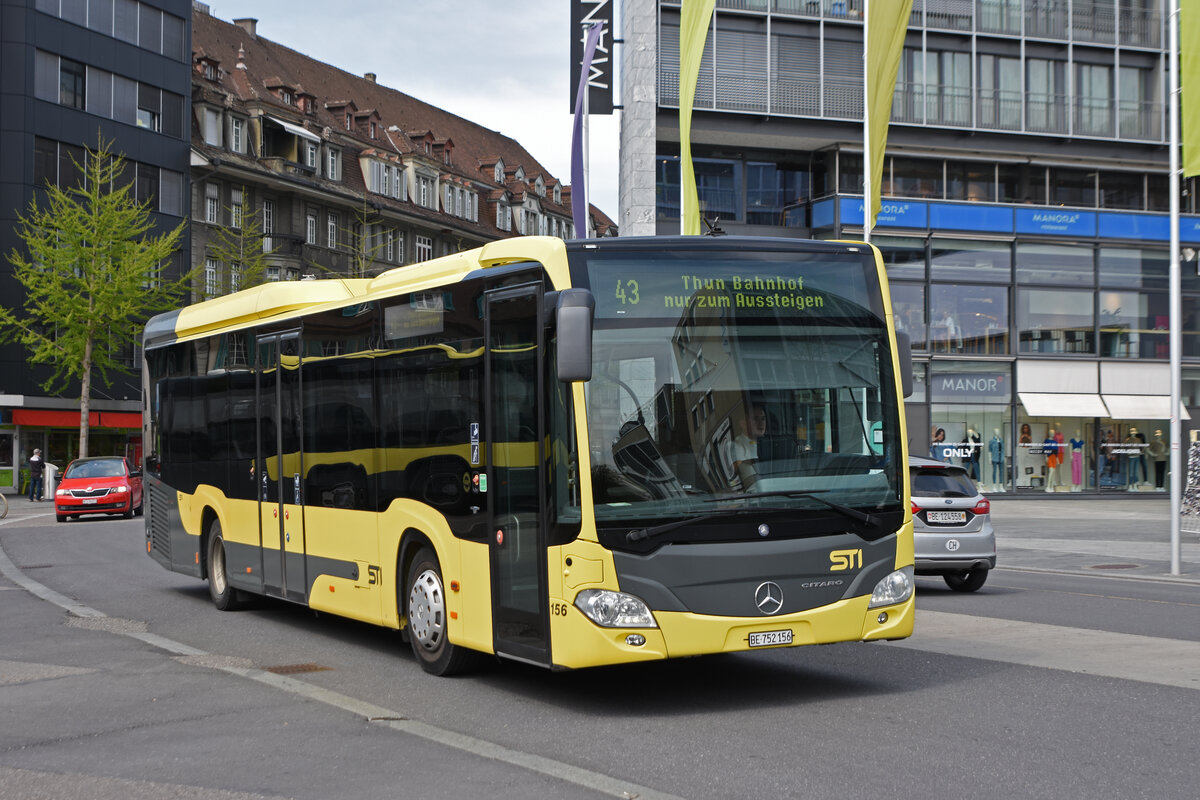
(641, 534)
(847, 511)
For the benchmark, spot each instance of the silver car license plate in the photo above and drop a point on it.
(946, 516)
(770, 638)
(89, 501)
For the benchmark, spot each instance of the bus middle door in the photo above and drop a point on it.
(520, 605)
(281, 509)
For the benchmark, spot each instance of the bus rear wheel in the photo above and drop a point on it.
(427, 616)
(224, 596)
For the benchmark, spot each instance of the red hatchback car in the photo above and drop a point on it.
(102, 485)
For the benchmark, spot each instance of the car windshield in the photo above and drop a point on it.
(108, 468)
(941, 482)
(735, 377)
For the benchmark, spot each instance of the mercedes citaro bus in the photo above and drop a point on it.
(563, 453)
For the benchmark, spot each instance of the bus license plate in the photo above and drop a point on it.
(946, 516)
(770, 638)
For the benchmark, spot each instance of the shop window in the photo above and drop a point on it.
(1072, 187)
(975, 437)
(1129, 455)
(1134, 268)
(968, 319)
(902, 257)
(917, 177)
(1055, 321)
(1055, 264)
(1123, 190)
(1022, 183)
(908, 305)
(973, 182)
(962, 260)
(1055, 454)
(1134, 325)
(1189, 309)
(850, 173)
(719, 187)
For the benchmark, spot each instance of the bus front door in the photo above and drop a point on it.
(520, 605)
(280, 506)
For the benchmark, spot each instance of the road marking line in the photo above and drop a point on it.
(1149, 659)
(558, 770)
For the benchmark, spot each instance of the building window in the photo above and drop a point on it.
(272, 273)
(373, 129)
(1063, 265)
(334, 172)
(498, 173)
(390, 245)
(968, 319)
(1056, 321)
(72, 79)
(310, 228)
(235, 208)
(237, 135)
(268, 227)
(449, 204)
(212, 127)
(211, 286)
(212, 203)
(331, 235)
(967, 261)
(235, 277)
(1134, 325)
(149, 107)
(424, 248)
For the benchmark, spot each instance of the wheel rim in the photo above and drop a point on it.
(217, 568)
(427, 610)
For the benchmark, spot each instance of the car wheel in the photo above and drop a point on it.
(427, 616)
(128, 513)
(224, 596)
(141, 509)
(968, 581)
(61, 517)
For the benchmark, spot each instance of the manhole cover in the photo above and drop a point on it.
(1114, 566)
(296, 669)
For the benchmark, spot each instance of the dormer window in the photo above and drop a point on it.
(373, 130)
(499, 174)
(286, 96)
(558, 194)
(209, 70)
(349, 121)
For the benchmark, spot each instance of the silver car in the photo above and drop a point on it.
(952, 525)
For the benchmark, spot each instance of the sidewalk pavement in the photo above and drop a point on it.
(1118, 536)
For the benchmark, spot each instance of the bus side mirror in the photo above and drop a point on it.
(574, 323)
(904, 351)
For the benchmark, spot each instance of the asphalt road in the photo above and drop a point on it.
(119, 680)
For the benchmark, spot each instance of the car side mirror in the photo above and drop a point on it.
(137, 473)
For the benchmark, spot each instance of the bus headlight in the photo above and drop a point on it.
(614, 609)
(895, 588)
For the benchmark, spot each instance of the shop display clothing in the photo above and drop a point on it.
(996, 451)
(1157, 450)
(1076, 462)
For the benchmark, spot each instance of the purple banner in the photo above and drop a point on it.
(579, 200)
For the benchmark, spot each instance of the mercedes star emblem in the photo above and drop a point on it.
(768, 597)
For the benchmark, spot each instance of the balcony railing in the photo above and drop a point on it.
(1046, 113)
(999, 109)
(1093, 116)
(1140, 120)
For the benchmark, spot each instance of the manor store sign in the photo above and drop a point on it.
(979, 387)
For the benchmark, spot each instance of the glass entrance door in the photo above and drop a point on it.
(520, 606)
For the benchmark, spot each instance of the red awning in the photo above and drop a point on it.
(70, 419)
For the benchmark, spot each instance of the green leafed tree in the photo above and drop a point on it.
(242, 248)
(94, 271)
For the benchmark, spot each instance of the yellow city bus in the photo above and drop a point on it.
(548, 451)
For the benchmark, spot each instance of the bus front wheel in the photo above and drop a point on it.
(224, 596)
(427, 617)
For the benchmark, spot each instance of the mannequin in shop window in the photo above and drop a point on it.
(1076, 462)
(947, 332)
(1050, 448)
(1157, 450)
(996, 451)
(973, 444)
(1131, 446)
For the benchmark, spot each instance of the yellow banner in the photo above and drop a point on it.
(887, 22)
(1189, 85)
(694, 22)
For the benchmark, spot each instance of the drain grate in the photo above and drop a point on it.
(296, 669)
(1114, 566)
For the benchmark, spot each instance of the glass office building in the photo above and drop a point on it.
(1024, 221)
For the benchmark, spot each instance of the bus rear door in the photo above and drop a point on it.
(520, 606)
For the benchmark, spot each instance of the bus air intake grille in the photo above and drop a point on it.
(160, 525)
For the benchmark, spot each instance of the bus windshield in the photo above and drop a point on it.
(740, 379)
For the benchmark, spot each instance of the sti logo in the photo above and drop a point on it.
(841, 560)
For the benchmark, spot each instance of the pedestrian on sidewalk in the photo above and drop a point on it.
(37, 466)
